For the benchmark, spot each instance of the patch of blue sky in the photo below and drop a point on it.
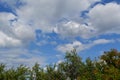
(104, 2)
(111, 36)
(47, 51)
(51, 37)
(5, 8)
(108, 1)
(40, 37)
(83, 14)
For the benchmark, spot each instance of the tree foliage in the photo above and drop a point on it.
(107, 67)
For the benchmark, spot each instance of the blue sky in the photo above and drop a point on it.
(43, 31)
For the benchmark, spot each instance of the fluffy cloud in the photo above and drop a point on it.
(50, 12)
(23, 31)
(71, 46)
(105, 18)
(102, 19)
(14, 33)
(80, 46)
(74, 29)
(30, 18)
(6, 41)
(5, 21)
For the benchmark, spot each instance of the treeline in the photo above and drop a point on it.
(107, 67)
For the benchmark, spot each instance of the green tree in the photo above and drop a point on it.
(72, 66)
(111, 60)
(2, 71)
(89, 70)
(21, 72)
(37, 73)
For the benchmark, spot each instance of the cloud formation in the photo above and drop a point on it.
(105, 19)
(46, 17)
(102, 19)
(79, 46)
(21, 27)
(74, 29)
(14, 33)
(50, 12)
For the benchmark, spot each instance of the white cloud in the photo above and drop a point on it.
(14, 33)
(102, 18)
(80, 46)
(105, 18)
(74, 29)
(5, 21)
(6, 41)
(102, 41)
(70, 46)
(30, 17)
(49, 12)
(23, 31)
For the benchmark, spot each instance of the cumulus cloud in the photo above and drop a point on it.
(5, 21)
(102, 19)
(68, 47)
(105, 18)
(14, 33)
(50, 12)
(30, 18)
(23, 31)
(6, 41)
(80, 46)
(74, 29)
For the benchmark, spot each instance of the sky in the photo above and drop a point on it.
(43, 31)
